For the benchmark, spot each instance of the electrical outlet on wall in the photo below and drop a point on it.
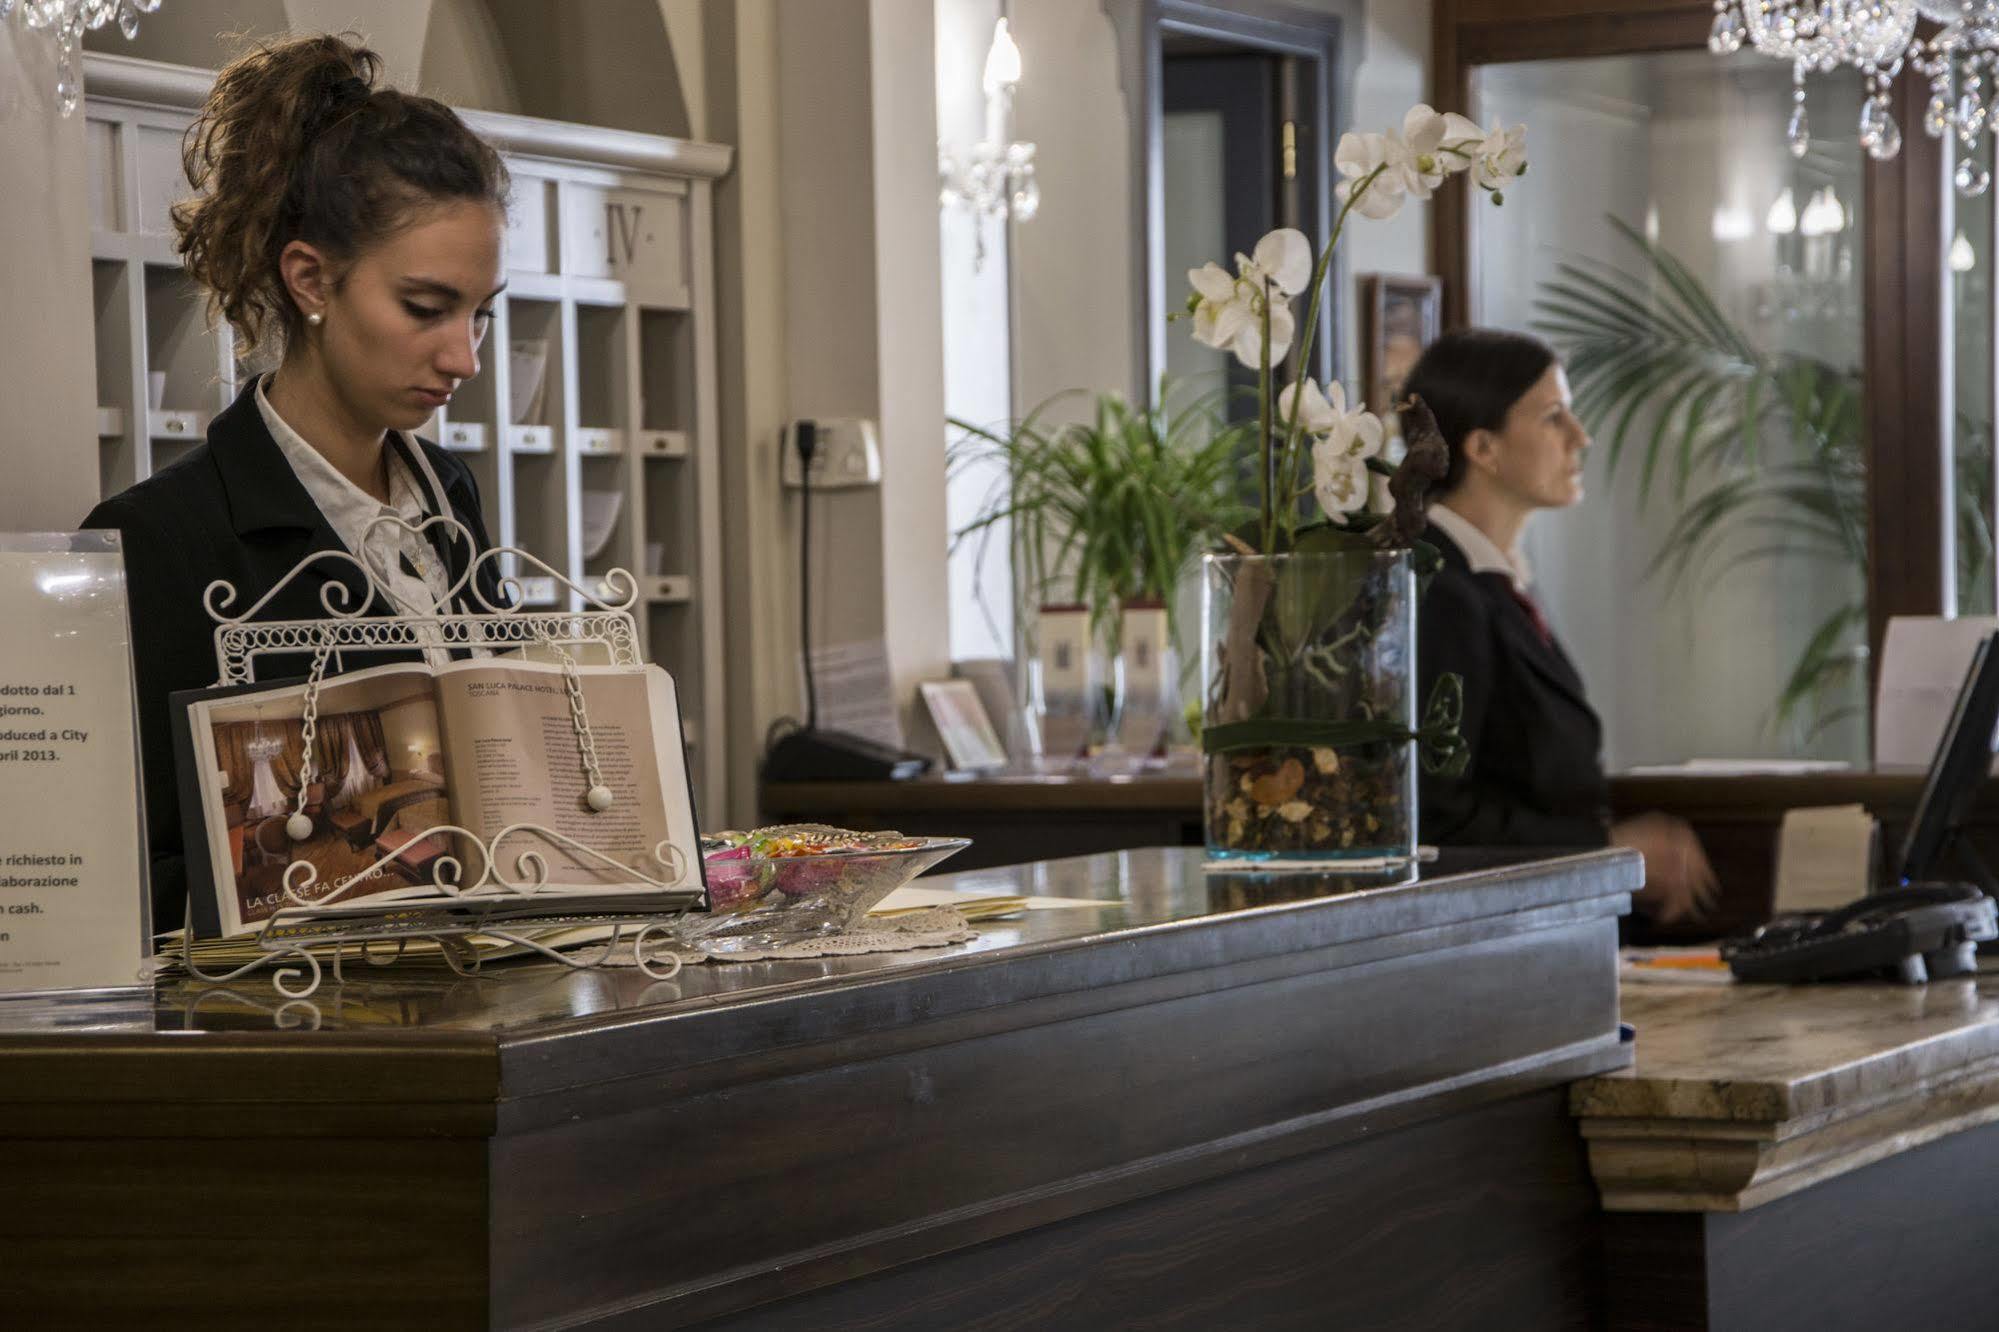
(849, 456)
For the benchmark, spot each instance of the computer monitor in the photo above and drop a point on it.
(1963, 758)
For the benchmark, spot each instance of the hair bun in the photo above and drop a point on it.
(342, 97)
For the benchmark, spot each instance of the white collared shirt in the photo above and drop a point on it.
(349, 510)
(1481, 551)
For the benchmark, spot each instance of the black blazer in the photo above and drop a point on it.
(234, 509)
(1536, 774)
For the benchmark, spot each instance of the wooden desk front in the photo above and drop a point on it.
(1211, 1101)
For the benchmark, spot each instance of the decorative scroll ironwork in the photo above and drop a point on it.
(240, 639)
(504, 903)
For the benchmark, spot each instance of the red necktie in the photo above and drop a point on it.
(1527, 603)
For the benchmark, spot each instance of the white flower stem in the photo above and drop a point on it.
(1292, 434)
(1263, 422)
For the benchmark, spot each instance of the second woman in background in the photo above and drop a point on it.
(1536, 777)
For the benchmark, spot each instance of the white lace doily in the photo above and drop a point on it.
(936, 927)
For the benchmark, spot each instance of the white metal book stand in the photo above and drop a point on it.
(514, 907)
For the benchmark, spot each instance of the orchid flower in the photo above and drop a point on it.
(1500, 159)
(1434, 147)
(1386, 169)
(1315, 414)
(1228, 311)
(1355, 434)
(1375, 184)
(1249, 312)
(1343, 441)
(1339, 482)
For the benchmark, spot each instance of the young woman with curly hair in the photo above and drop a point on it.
(351, 234)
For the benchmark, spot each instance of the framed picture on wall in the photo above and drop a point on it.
(963, 725)
(1399, 317)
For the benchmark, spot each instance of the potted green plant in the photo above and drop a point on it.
(1104, 516)
(1309, 724)
(1762, 447)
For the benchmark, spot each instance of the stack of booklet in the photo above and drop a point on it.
(399, 752)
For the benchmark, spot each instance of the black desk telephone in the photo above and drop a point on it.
(1923, 930)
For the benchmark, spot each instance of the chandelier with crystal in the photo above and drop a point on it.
(1878, 38)
(995, 176)
(71, 19)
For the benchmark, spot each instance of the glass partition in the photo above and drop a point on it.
(1704, 287)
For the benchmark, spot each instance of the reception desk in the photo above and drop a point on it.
(1821, 1157)
(1027, 818)
(1201, 1101)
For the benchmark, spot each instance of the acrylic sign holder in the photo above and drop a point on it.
(512, 907)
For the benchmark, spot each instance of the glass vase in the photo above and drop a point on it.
(1066, 688)
(1147, 685)
(1309, 706)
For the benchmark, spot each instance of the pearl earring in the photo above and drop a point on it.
(315, 319)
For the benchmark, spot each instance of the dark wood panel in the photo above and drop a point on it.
(1451, 257)
(427, 1084)
(1011, 821)
(925, 1151)
(1467, 33)
(1655, 1271)
(576, 1147)
(1903, 358)
(177, 1232)
(1632, 30)
(1484, 1220)
(1145, 796)
(1903, 1243)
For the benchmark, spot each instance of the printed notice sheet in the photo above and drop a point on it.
(73, 895)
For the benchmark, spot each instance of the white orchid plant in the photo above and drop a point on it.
(1249, 313)
(1362, 501)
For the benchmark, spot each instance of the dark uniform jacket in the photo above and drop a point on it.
(1536, 774)
(233, 509)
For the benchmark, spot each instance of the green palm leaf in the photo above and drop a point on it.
(1761, 448)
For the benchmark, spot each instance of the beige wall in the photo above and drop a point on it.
(464, 60)
(739, 81)
(862, 325)
(1079, 268)
(909, 335)
(1076, 266)
(48, 452)
(1393, 76)
(194, 32)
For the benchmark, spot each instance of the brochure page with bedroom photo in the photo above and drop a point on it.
(401, 750)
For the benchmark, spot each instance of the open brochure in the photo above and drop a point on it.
(401, 750)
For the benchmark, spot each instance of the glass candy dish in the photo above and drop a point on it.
(795, 881)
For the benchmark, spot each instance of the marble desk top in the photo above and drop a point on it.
(1739, 1094)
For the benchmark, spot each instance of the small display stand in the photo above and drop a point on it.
(510, 899)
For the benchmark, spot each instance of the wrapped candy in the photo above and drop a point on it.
(835, 874)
